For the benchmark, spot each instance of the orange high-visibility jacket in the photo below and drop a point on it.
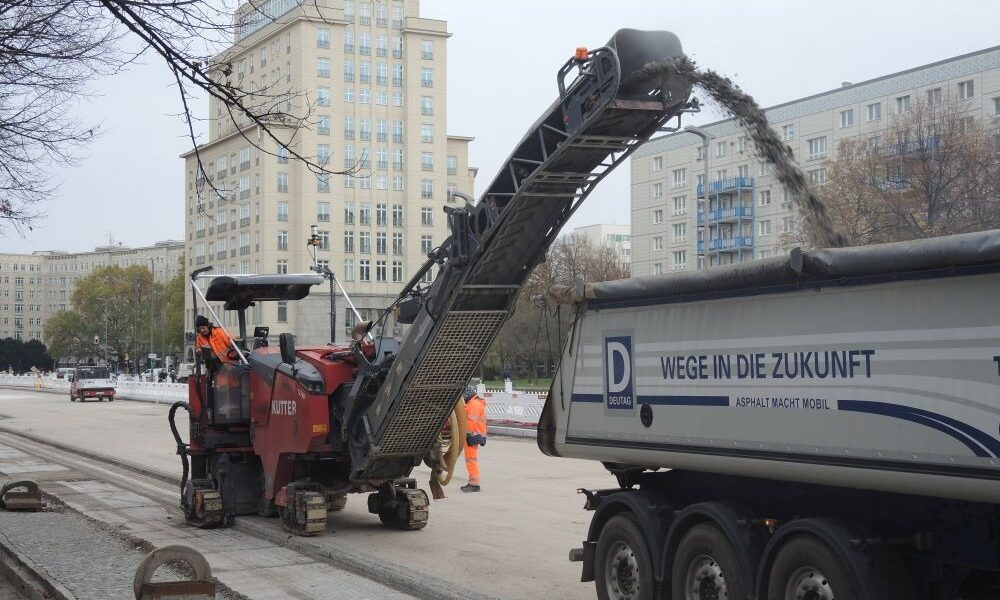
(475, 414)
(218, 340)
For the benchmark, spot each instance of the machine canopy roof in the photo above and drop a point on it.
(240, 291)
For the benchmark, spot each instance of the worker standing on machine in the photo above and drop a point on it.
(216, 338)
(475, 412)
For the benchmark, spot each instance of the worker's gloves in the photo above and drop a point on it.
(475, 439)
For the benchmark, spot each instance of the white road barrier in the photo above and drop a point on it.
(147, 391)
(513, 413)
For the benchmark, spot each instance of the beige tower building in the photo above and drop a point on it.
(370, 78)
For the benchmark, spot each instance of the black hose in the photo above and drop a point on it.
(181, 446)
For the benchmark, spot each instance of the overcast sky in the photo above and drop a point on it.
(502, 60)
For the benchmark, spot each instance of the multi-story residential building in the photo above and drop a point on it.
(35, 286)
(746, 212)
(616, 236)
(369, 79)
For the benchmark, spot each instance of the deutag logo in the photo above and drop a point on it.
(618, 372)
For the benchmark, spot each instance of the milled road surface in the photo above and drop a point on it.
(509, 541)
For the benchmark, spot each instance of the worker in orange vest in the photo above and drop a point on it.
(215, 338)
(475, 414)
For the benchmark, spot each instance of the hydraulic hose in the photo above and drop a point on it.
(181, 446)
(452, 438)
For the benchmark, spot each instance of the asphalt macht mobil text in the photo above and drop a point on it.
(782, 402)
(819, 364)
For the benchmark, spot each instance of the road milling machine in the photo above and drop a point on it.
(294, 430)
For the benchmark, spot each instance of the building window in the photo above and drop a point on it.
(427, 216)
(283, 182)
(426, 49)
(380, 270)
(875, 111)
(365, 242)
(282, 240)
(817, 176)
(657, 216)
(700, 153)
(657, 190)
(323, 125)
(426, 244)
(657, 268)
(364, 95)
(426, 105)
(720, 149)
(680, 232)
(348, 269)
(452, 165)
(381, 243)
(934, 97)
(426, 77)
(847, 118)
(765, 198)
(323, 183)
(741, 144)
(349, 41)
(364, 270)
(902, 104)
(397, 183)
(381, 214)
(817, 148)
(349, 242)
(787, 224)
(324, 240)
(680, 178)
(788, 132)
(283, 311)
(348, 94)
(680, 260)
(426, 189)
(365, 214)
(348, 213)
(397, 98)
(282, 268)
(323, 211)
(657, 163)
(397, 271)
(658, 243)
(680, 205)
(426, 161)
(282, 211)
(996, 107)
(282, 155)
(323, 67)
(427, 133)
(322, 96)
(966, 89)
(764, 228)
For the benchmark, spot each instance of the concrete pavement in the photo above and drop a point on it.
(509, 541)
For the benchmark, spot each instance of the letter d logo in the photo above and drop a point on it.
(618, 372)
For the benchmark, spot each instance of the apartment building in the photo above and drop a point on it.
(370, 79)
(35, 286)
(702, 197)
(618, 237)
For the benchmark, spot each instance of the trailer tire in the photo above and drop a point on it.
(805, 565)
(706, 562)
(623, 569)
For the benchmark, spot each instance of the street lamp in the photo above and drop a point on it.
(152, 290)
(108, 364)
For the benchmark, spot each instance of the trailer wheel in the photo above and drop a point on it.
(706, 567)
(805, 567)
(624, 570)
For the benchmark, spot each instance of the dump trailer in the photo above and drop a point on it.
(815, 426)
(293, 430)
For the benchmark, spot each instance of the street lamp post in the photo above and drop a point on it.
(704, 179)
(106, 363)
(152, 291)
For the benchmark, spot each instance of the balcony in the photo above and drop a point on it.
(726, 186)
(733, 244)
(930, 143)
(725, 215)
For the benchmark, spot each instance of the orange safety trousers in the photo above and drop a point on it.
(475, 414)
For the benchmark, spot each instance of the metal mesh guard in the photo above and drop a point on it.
(453, 356)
